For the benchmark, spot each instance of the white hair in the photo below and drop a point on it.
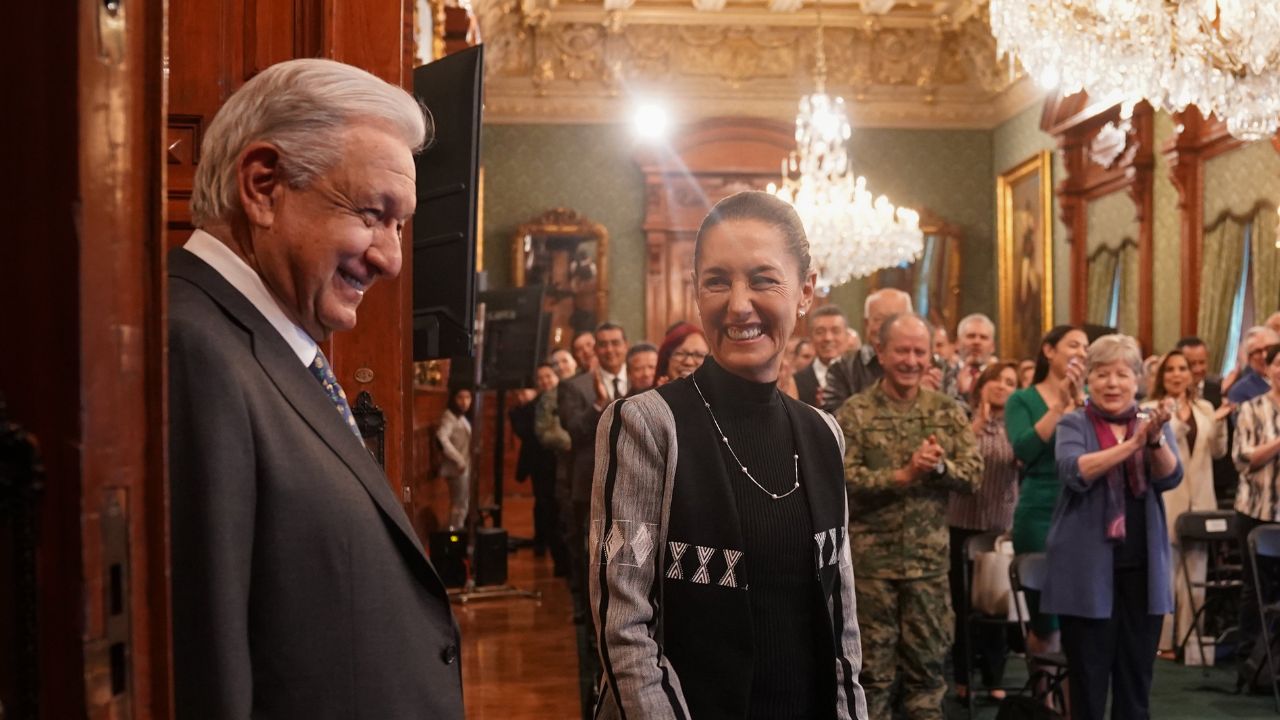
(1114, 348)
(1242, 354)
(884, 293)
(301, 107)
(976, 318)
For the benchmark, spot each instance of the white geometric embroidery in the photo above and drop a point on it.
(704, 556)
(731, 558)
(835, 547)
(641, 544)
(614, 543)
(677, 553)
(821, 539)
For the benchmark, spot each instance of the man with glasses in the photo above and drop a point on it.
(1251, 376)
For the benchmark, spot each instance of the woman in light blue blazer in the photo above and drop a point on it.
(1108, 547)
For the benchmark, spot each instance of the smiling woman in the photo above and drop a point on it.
(758, 614)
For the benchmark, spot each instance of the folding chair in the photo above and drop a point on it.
(1028, 572)
(1216, 530)
(973, 547)
(1264, 541)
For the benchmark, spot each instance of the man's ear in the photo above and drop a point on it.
(259, 182)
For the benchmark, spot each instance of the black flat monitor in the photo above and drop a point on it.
(444, 227)
(514, 329)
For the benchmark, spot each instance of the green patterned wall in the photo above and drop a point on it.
(530, 168)
(1016, 140)
(1237, 181)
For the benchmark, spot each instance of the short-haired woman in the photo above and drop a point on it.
(1031, 418)
(1257, 457)
(1108, 547)
(1202, 438)
(725, 499)
(989, 509)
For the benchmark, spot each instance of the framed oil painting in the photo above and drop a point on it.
(1024, 230)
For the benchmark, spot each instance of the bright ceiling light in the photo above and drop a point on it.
(651, 121)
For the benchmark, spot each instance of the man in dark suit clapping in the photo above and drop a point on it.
(299, 587)
(829, 334)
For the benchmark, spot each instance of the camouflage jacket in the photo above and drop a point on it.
(899, 531)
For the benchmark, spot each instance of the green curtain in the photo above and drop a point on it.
(1266, 265)
(1219, 273)
(1127, 316)
(1102, 272)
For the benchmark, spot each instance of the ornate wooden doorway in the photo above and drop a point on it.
(707, 162)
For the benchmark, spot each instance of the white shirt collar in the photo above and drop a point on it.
(608, 377)
(820, 371)
(244, 279)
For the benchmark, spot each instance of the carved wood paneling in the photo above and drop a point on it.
(1196, 140)
(1104, 153)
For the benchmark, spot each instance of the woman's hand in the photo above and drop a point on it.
(1156, 421)
(982, 416)
(1069, 388)
(1224, 412)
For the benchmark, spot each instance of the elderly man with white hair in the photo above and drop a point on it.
(300, 589)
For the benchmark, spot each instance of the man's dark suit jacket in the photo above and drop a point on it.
(807, 386)
(848, 376)
(578, 415)
(299, 588)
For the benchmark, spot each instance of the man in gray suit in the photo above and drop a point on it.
(582, 399)
(299, 587)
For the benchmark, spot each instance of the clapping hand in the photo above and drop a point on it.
(926, 457)
(1069, 389)
(932, 379)
(602, 393)
(1224, 412)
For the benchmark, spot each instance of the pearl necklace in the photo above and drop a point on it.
(724, 438)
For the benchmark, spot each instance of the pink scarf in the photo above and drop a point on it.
(1133, 468)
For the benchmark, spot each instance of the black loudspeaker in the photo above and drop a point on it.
(444, 227)
(449, 556)
(514, 331)
(491, 556)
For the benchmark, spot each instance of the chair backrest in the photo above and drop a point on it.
(1206, 525)
(978, 544)
(1264, 541)
(1028, 571)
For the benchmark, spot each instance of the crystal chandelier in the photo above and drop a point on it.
(1223, 56)
(850, 234)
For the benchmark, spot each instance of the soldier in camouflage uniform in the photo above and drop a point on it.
(906, 449)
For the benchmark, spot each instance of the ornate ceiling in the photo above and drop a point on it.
(930, 63)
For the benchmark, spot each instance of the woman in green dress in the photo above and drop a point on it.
(1031, 417)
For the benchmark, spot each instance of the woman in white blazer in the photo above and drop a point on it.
(1202, 436)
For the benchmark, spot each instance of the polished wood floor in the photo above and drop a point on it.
(519, 660)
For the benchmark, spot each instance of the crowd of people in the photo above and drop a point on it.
(1088, 452)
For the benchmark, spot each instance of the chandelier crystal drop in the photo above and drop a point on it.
(1223, 56)
(851, 235)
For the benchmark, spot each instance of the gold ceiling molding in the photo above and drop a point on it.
(930, 65)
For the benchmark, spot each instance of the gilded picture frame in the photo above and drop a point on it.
(1024, 232)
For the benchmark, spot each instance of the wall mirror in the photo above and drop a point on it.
(567, 254)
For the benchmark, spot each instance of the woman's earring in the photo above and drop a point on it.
(800, 314)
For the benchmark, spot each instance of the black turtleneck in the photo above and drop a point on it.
(778, 544)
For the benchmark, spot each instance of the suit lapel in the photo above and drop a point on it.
(301, 390)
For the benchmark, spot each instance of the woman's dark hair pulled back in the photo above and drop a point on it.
(1051, 338)
(765, 208)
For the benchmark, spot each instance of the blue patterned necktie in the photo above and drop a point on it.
(320, 368)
